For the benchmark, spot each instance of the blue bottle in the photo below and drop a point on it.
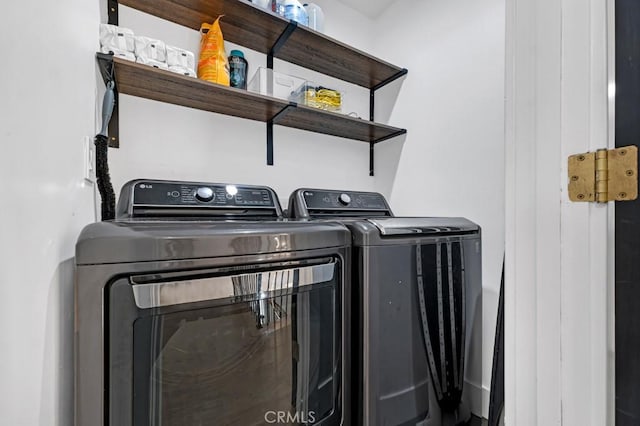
(238, 69)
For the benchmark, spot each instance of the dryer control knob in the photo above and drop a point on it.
(205, 194)
(344, 199)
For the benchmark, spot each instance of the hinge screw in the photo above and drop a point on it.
(574, 178)
(629, 172)
(581, 158)
(623, 152)
(580, 196)
(622, 195)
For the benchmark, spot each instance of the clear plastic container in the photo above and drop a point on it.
(292, 10)
(266, 4)
(316, 17)
(268, 82)
(316, 96)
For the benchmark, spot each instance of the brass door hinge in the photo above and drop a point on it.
(604, 175)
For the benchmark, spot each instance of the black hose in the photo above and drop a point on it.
(103, 178)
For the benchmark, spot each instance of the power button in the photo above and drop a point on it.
(344, 199)
(205, 194)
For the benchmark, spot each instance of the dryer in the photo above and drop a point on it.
(417, 309)
(199, 305)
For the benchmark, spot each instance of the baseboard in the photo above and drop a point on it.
(486, 397)
(474, 395)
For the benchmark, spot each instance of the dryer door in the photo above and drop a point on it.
(232, 346)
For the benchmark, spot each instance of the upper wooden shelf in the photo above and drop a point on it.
(151, 83)
(248, 25)
(165, 86)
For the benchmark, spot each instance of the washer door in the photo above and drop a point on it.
(235, 346)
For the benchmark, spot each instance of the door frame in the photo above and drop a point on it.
(559, 254)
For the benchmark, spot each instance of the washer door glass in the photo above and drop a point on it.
(247, 348)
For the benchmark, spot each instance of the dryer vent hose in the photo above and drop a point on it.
(102, 159)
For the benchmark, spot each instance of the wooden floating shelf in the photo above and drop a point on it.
(151, 83)
(335, 124)
(255, 28)
(148, 82)
(250, 26)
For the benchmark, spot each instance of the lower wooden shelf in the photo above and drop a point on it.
(331, 123)
(165, 86)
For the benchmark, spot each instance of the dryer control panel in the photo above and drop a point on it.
(170, 198)
(314, 203)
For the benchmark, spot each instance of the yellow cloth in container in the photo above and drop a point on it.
(213, 65)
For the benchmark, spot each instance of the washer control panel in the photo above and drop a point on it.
(188, 194)
(344, 200)
(156, 197)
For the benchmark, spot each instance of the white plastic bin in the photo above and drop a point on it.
(268, 82)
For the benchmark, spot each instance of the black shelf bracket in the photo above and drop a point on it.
(372, 108)
(107, 70)
(391, 79)
(391, 136)
(372, 152)
(105, 62)
(112, 12)
(270, 124)
(372, 105)
(372, 149)
(282, 39)
(270, 143)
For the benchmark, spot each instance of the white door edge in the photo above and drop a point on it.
(559, 255)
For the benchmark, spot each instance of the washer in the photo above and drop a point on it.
(417, 321)
(199, 305)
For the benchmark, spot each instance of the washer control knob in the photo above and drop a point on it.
(344, 199)
(204, 194)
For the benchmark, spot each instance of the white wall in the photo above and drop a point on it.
(166, 141)
(48, 107)
(47, 86)
(452, 103)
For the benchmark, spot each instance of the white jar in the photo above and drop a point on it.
(316, 17)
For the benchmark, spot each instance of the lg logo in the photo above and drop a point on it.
(275, 417)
